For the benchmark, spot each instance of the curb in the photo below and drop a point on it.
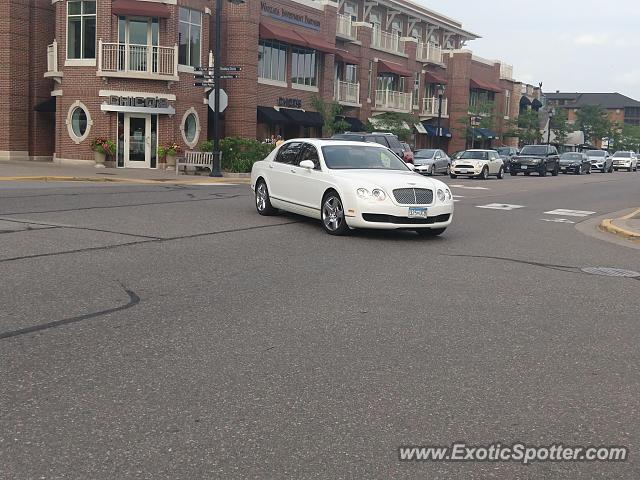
(204, 180)
(607, 225)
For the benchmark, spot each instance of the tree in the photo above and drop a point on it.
(559, 125)
(594, 123)
(395, 123)
(330, 112)
(526, 127)
(629, 138)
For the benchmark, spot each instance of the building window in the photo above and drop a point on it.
(272, 61)
(416, 91)
(416, 32)
(189, 37)
(78, 122)
(190, 127)
(303, 67)
(507, 103)
(351, 73)
(81, 29)
(351, 10)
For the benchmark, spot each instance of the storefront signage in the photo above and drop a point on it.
(134, 104)
(288, 16)
(289, 102)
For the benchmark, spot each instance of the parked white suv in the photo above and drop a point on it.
(627, 160)
(478, 163)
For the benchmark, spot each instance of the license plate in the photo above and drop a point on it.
(564, 169)
(523, 167)
(463, 170)
(417, 212)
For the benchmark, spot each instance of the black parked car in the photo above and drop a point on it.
(506, 154)
(575, 162)
(388, 140)
(541, 159)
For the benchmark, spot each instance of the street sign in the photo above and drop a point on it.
(224, 101)
(204, 84)
(226, 77)
(231, 69)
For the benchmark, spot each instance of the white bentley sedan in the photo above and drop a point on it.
(350, 185)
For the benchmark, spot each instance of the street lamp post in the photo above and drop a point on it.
(216, 167)
(438, 130)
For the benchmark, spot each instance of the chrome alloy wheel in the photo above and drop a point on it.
(332, 213)
(261, 197)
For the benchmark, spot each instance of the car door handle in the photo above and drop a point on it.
(293, 170)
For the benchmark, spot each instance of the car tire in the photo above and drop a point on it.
(453, 176)
(431, 170)
(611, 169)
(603, 170)
(332, 215)
(579, 171)
(448, 170)
(500, 173)
(589, 171)
(484, 174)
(629, 169)
(263, 201)
(556, 170)
(430, 232)
(526, 174)
(543, 171)
(513, 174)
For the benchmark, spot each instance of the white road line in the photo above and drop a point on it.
(557, 220)
(470, 188)
(458, 196)
(570, 213)
(500, 206)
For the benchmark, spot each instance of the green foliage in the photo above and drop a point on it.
(103, 145)
(526, 127)
(395, 123)
(239, 154)
(594, 122)
(206, 146)
(330, 111)
(559, 125)
(625, 137)
(483, 110)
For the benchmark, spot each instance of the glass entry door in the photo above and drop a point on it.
(137, 140)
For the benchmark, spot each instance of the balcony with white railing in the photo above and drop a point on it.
(429, 53)
(346, 93)
(125, 60)
(392, 101)
(52, 60)
(389, 42)
(429, 107)
(506, 71)
(345, 28)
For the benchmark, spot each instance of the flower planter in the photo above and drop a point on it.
(171, 160)
(99, 158)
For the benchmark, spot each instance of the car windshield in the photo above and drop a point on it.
(596, 153)
(622, 154)
(428, 153)
(474, 155)
(353, 157)
(570, 156)
(504, 150)
(534, 150)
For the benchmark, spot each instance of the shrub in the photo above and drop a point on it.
(239, 154)
(206, 146)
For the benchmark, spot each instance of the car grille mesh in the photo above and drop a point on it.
(413, 196)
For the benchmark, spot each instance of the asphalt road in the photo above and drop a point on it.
(171, 332)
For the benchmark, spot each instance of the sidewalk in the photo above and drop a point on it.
(50, 172)
(627, 226)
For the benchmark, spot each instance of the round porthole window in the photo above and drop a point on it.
(190, 127)
(79, 122)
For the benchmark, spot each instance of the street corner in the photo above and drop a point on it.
(626, 226)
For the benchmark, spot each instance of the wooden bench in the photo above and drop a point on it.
(194, 159)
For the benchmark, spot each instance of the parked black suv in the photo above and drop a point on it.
(536, 158)
(386, 139)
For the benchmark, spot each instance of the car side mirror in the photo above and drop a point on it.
(308, 164)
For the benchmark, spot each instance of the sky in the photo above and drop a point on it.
(568, 45)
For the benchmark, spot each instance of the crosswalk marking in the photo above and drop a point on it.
(570, 213)
(500, 206)
(469, 188)
(557, 220)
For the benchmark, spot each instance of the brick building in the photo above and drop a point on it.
(620, 108)
(123, 69)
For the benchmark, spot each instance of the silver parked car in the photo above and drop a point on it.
(625, 159)
(600, 160)
(429, 161)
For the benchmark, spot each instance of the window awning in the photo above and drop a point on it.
(355, 125)
(430, 77)
(432, 130)
(138, 8)
(306, 119)
(524, 101)
(269, 31)
(486, 133)
(346, 57)
(390, 67)
(271, 115)
(480, 85)
(536, 104)
(49, 105)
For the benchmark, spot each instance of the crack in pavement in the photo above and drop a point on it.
(74, 227)
(134, 300)
(162, 189)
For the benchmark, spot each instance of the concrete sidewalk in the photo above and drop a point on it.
(627, 226)
(51, 172)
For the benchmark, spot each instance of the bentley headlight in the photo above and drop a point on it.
(363, 193)
(378, 194)
(448, 192)
(441, 195)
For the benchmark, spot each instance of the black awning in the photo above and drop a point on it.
(536, 104)
(49, 105)
(271, 115)
(432, 130)
(355, 125)
(524, 101)
(306, 119)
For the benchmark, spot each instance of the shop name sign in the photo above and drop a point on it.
(289, 102)
(122, 103)
(290, 17)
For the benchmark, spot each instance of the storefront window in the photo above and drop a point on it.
(81, 29)
(303, 67)
(272, 61)
(189, 37)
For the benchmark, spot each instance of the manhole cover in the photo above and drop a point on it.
(611, 272)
